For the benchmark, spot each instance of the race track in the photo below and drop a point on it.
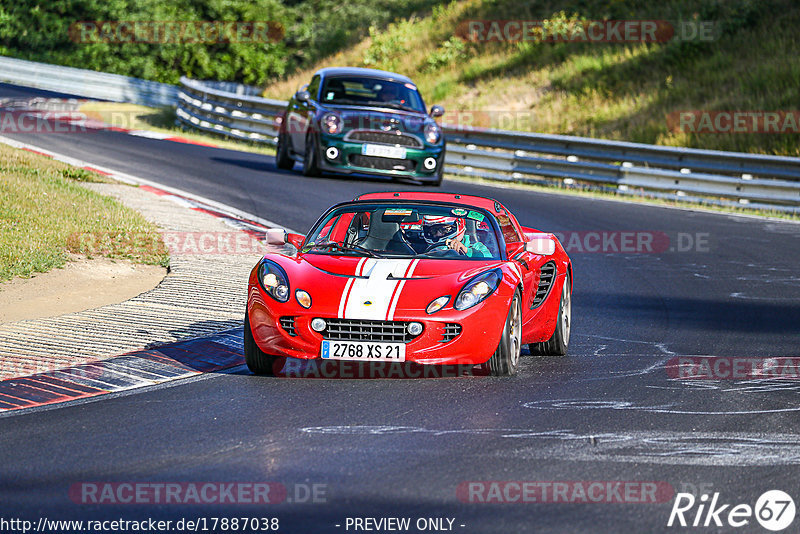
(609, 411)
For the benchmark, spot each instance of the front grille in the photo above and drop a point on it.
(363, 330)
(382, 164)
(547, 275)
(451, 331)
(386, 138)
(287, 323)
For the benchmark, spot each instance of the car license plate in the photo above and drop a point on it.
(363, 351)
(384, 151)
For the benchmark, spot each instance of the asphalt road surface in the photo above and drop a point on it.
(611, 411)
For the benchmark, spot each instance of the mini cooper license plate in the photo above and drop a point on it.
(384, 151)
(363, 351)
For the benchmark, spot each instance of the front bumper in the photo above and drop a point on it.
(481, 329)
(350, 160)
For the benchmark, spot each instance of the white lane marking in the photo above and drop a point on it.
(370, 298)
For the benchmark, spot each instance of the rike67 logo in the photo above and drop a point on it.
(774, 510)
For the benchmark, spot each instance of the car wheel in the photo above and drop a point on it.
(310, 167)
(505, 359)
(282, 158)
(257, 360)
(559, 342)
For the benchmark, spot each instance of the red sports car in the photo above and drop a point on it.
(431, 278)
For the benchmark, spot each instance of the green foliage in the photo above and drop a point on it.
(448, 53)
(46, 30)
(385, 51)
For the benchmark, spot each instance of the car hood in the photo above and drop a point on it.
(398, 268)
(370, 118)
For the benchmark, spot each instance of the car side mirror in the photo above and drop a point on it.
(275, 236)
(302, 96)
(279, 236)
(437, 111)
(542, 244)
(296, 240)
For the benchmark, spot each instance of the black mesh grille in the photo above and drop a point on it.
(451, 331)
(363, 330)
(382, 164)
(547, 274)
(287, 323)
(386, 138)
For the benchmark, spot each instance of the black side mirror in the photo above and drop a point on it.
(437, 111)
(302, 96)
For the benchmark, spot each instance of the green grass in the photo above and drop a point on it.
(45, 215)
(605, 90)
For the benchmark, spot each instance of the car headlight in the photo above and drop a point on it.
(433, 133)
(331, 123)
(477, 289)
(437, 304)
(274, 280)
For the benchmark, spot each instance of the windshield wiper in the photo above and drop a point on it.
(346, 248)
(393, 106)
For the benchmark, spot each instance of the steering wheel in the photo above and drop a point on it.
(438, 244)
(442, 244)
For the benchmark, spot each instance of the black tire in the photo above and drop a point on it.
(282, 158)
(257, 360)
(310, 166)
(439, 175)
(558, 343)
(505, 359)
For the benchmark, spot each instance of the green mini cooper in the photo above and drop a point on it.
(362, 121)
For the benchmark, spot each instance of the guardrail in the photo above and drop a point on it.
(707, 176)
(87, 83)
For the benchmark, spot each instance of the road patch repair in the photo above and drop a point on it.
(212, 250)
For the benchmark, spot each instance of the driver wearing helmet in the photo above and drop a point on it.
(450, 232)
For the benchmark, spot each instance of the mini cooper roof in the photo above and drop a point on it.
(359, 71)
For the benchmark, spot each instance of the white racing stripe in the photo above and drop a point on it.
(372, 297)
(347, 286)
(396, 297)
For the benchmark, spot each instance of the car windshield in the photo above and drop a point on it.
(407, 230)
(365, 91)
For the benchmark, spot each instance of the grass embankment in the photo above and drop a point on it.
(622, 91)
(43, 208)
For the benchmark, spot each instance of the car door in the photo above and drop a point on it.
(522, 260)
